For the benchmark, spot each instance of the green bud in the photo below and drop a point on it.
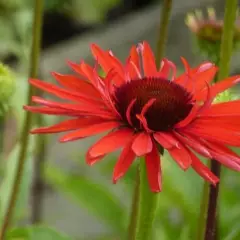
(208, 33)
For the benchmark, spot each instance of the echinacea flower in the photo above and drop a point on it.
(208, 31)
(145, 109)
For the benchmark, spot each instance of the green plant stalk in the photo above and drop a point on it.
(224, 69)
(134, 213)
(163, 30)
(147, 205)
(205, 193)
(24, 138)
(144, 201)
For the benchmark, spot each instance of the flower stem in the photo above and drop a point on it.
(224, 68)
(24, 138)
(134, 213)
(163, 30)
(147, 205)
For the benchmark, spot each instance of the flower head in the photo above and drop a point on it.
(145, 109)
(208, 31)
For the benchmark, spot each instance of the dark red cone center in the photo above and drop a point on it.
(173, 103)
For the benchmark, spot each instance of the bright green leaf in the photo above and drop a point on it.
(35, 233)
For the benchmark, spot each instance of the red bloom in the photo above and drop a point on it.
(144, 108)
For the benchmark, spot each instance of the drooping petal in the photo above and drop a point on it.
(203, 170)
(89, 131)
(153, 166)
(142, 144)
(222, 150)
(124, 162)
(194, 144)
(181, 156)
(92, 160)
(215, 132)
(68, 125)
(166, 140)
(111, 142)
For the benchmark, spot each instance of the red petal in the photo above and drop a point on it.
(231, 108)
(194, 144)
(149, 65)
(50, 111)
(102, 57)
(219, 150)
(134, 67)
(111, 142)
(203, 170)
(76, 67)
(60, 92)
(107, 61)
(198, 80)
(181, 155)
(88, 71)
(166, 140)
(142, 144)
(92, 160)
(74, 83)
(218, 87)
(153, 166)
(89, 131)
(77, 109)
(125, 160)
(224, 133)
(68, 125)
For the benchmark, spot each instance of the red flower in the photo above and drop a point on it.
(145, 109)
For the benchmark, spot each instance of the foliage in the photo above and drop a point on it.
(178, 207)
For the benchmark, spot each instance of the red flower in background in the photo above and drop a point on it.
(142, 107)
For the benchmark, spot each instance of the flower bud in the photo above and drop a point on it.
(208, 31)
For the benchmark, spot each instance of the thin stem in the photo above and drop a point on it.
(147, 206)
(210, 229)
(163, 30)
(38, 184)
(24, 138)
(134, 212)
(224, 68)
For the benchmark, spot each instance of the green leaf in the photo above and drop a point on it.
(92, 195)
(8, 179)
(35, 233)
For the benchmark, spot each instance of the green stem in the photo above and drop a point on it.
(24, 138)
(134, 212)
(147, 206)
(224, 68)
(163, 30)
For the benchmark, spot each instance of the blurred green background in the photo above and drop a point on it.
(62, 196)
